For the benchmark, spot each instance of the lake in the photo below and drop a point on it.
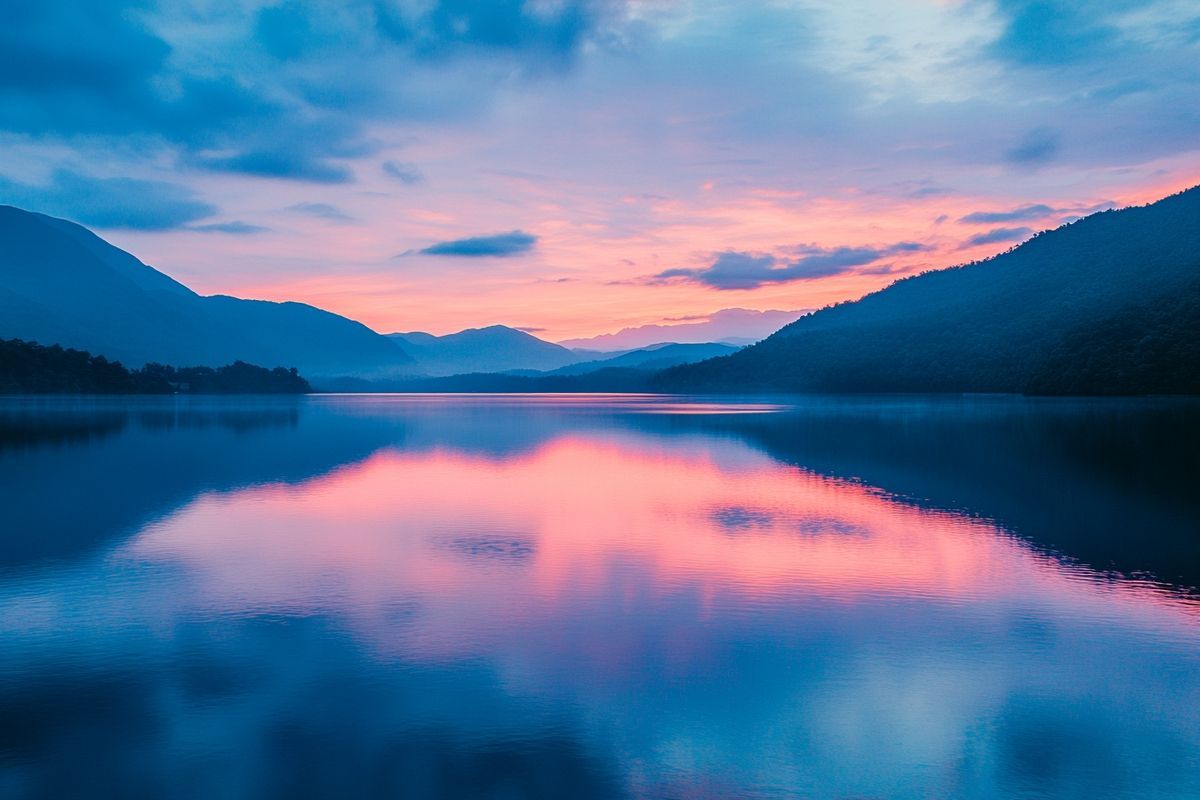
(599, 596)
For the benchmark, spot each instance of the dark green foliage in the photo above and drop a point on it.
(29, 368)
(1105, 305)
(236, 378)
(1149, 348)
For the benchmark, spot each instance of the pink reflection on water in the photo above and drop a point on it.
(487, 547)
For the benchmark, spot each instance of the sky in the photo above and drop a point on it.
(574, 167)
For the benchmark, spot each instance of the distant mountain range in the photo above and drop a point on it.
(61, 284)
(1109, 304)
(496, 348)
(500, 349)
(631, 371)
(651, 359)
(735, 326)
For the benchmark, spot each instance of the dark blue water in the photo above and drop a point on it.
(571, 597)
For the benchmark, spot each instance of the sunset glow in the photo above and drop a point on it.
(606, 596)
(338, 162)
(387, 530)
(600, 399)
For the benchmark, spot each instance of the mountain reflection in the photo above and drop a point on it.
(1106, 483)
(543, 597)
(443, 523)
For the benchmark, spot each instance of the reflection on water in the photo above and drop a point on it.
(599, 597)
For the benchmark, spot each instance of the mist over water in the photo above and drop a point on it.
(599, 596)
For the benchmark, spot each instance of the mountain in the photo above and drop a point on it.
(1109, 304)
(62, 284)
(627, 372)
(496, 348)
(737, 326)
(651, 358)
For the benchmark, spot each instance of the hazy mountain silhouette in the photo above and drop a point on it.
(627, 372)
(62, 284)
(651, 358)
(736, 326)
(496, 348)
(1106, 304)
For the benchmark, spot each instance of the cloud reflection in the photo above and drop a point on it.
(654, 608)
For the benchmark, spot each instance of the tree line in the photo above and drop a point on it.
(31, 368)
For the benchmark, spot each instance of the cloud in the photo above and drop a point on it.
(1050, 32)
(881, 269)
(1035, 148)
(998, 235)
(731, 270)
(235, 227)
(536, 35)
(737, 270)
(929, 191)
(281, 164)
(321, 211)
(501, 244)
(1019, 214)
(545, 34)
(869, 118)
(74, 53)
(403, 172)
(74, 68)
(529, 329)
(292, 86)
(110, 202)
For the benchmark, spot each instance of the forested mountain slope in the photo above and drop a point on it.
(1109, 304)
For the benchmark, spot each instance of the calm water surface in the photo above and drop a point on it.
(605, 596)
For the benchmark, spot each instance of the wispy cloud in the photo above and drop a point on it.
(236, 227)
(997, 235)
(513, 243)
(321, 211)
(739, 270)
(404, 172)
(1019, 214)
(281, 162)
(130, 203)
(1035, 148)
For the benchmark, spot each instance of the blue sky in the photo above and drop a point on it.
(583, 166)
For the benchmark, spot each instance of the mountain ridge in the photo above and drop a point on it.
(652, 358)
(994, 325)
(492, 348)
(62, 284)
(736, 326)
